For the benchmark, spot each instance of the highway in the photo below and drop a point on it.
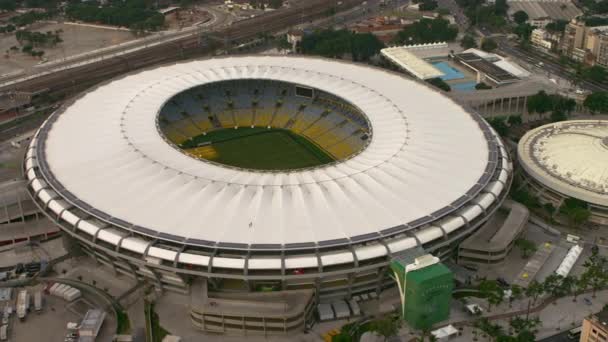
(549, 66)
(194, 42)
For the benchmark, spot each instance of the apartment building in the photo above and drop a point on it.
(595, 327)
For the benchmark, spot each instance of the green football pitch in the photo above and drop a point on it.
(258, 148)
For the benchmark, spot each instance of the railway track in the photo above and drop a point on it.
(72, 80)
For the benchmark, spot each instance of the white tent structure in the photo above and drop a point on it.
(444, 333)
(566, 266)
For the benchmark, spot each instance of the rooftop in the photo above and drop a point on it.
(413, 64)
(556, 10)
(570, 157)
(129, 175)
(480, 64)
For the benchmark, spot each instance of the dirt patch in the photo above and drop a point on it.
(76, 39)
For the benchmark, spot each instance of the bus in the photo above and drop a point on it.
(574, 334)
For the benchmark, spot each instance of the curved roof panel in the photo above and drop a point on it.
(427, 155)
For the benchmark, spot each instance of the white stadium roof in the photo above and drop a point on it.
(407, 59)
(105, 155)
(570, 157)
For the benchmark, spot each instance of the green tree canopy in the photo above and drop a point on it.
(526, 247)
(597, 102)
(135, 14)
(468, 42)
(336, 43)
(557, 26)
(595, 73)
(575, 210)
(439, 83)
(489, 45)
(427, 31)
(520, 17)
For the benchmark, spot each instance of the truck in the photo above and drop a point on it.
(38, 301)
(23, 304)
(3, 332)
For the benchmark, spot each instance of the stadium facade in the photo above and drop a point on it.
(568, 159)
(421, 172)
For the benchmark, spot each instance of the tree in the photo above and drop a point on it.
(540, 103)
(8, 5)
(517, 293)
(575, 210)
(439, 83)
(514, 120)
(597, 102)
(468, 42)
(337, 43)
(520, 324)
(427, 31)
(386, 327)
(580, 285)
(557, 26)
(526, 247)
(553, 285)
(520, 17)
(482, 86)
(275, 3)
(595, 273)
(533, 291)
(595, 73)
(558, 115)
(499, 125)
(524, 31)
(500, 7)
(492, 330)
(427, 5)
(568, 284)
(492, 292)
(488, 45)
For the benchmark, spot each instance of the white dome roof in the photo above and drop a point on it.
(570, 157)
(427, 157)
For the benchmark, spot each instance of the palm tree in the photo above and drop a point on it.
(533, 291)
(516, 294)
(553, 286)
(579, 286)
(568, 283)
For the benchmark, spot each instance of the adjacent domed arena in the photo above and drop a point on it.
(284, 172)
(569, 159)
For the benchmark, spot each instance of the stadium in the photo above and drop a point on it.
(568, 159)
(265, 173)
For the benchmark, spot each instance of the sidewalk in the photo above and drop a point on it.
(555, 318)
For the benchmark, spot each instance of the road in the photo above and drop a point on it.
(561, 337)
(549, 66)
(218, 21)
(170, 47)
(456, 11)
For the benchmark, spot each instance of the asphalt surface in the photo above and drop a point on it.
(561, 337)
(534, 57)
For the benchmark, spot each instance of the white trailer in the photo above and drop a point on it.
(62, 290)
(23, 304)
(3, 332)
(72, 295)
(58, 289)
(53, 288)
(38, 301)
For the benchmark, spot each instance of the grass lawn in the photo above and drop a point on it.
(258, 148)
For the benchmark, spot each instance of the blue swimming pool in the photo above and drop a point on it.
(449, 73)
(464, 86)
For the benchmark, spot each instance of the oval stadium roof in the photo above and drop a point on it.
(426, 154)
(570, 157)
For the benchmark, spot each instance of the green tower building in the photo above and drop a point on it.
(425, 287)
